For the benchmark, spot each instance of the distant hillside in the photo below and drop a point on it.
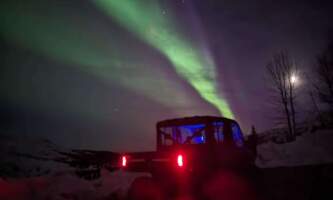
(27, 157)
(28, 170)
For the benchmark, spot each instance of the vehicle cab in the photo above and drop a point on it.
(203, 144)
(190, 151)
(198, 131)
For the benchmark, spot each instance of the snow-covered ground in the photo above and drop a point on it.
(27, 157)
(27, 172)
(308, 149)
(63, 186)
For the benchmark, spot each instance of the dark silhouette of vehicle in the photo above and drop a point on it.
(189, 152)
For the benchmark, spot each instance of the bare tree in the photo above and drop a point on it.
(312, 94)
(282, 73)
(324, 76)
(316, 108)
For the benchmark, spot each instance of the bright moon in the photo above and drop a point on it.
(294, 79)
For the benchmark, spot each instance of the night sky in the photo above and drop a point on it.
(99, 74)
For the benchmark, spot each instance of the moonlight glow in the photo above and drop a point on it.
(294, 79)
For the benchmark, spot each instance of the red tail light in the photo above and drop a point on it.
(180, 160)
(123, 161)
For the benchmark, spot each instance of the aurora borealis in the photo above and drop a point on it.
(147, 21)
(151, 24)
(64, 40)
(99, 74)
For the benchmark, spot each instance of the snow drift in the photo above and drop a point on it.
(308, 149)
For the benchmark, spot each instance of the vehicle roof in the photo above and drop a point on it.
(192, 120)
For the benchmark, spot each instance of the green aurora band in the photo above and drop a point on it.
(64, 40)
(74, 40)
(149, 22)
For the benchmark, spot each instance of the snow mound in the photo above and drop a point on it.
(23, 156)
(308, 149)
(28, 170)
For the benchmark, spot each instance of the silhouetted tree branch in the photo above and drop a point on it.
(281, 71)
(323, 72)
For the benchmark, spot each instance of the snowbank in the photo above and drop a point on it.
(308, 149)
(27, 157)
(27, 171)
